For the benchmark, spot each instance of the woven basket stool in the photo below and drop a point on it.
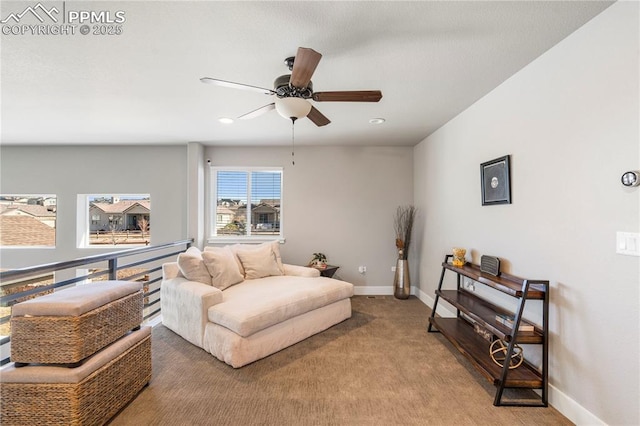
(69, 325)
(87, 395)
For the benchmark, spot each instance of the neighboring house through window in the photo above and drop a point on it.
(105, 220)
(246, 203)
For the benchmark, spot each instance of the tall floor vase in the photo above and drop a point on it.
(401, 281)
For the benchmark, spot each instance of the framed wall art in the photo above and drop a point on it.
(495, 181)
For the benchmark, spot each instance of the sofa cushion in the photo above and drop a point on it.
(254, 305)
(259, 261)
(192, 266)
(222, 266)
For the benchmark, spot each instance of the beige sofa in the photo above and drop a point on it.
(241, 303)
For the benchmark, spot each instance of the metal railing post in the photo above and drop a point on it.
(113, 269)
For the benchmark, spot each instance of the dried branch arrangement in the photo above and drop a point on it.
(403, 225)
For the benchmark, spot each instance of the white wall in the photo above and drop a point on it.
(71, 170)
(339, 201)
(570, 121)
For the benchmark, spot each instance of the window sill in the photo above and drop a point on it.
(245, 240)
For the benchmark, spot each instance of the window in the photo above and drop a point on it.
(28, 220)
(110, 220)
(246, 203)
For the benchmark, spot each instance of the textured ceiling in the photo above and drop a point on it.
(431, 60)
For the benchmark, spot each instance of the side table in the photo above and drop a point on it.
(328, 271)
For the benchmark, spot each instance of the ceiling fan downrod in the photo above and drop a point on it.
(289, 62)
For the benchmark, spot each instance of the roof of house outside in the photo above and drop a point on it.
(31, 209)
(275, 202)
(225, 210)
(122, 206)
(24, 230)
(262, 207)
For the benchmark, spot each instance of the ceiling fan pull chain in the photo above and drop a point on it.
(293, 147)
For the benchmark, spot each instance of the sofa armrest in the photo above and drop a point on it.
(170, 270)
(300, 271)
(184, 307)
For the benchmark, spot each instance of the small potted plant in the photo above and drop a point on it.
(319, 260)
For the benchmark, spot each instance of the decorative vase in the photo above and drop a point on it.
(401, 281)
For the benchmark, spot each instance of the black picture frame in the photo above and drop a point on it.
(495, 178)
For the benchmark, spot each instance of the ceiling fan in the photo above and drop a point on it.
(294, 90)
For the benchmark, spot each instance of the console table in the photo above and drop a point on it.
(474, 312)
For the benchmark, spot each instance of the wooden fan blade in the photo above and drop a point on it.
(348, 96)
(304, 65)
(317, 117)
(257, 112)
(233, 85)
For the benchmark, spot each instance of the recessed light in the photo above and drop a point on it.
(225, 120)
(377, 120)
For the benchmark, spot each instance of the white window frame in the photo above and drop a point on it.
(84, 221)
(213, 238)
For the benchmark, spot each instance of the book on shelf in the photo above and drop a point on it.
(509, 320)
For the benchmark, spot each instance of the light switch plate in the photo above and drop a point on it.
(628, 243)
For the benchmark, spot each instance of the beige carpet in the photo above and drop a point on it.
(380, 367)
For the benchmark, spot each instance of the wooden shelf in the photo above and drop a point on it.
(461, 334)
(485, 312)
(505, 283)
(476, 310)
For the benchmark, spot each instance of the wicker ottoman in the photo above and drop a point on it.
(87, 395)
(69, 325)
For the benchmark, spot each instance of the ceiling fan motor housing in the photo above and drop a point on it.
(283, 88)
(294, 90)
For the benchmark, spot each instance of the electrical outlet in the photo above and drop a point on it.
(393, 269)
(362, 269)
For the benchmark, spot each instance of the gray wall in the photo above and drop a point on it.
(339, 201)
(67, 171)
(570, 121)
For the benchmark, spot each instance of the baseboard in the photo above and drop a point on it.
(154, 321)
(428, 300)
(388, 291)
(571, 409)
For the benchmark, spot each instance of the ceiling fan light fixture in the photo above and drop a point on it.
(225, 120)
(292, 107)
(377, 121)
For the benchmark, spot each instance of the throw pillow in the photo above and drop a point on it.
(259, 261)
(234, 248)
(192, 266)
(275, 247)
(222, 266)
